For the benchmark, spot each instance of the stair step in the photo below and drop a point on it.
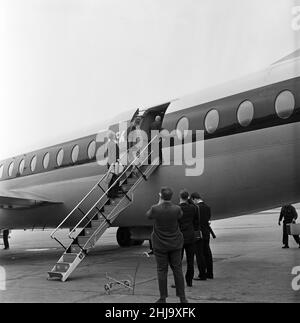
(96, 217)
(53, 274)
(83, 240)
(62, 267)
(89, 231)
(131, 181)
(69, 257)
(108, 209)
(75, 248)
(96, 224)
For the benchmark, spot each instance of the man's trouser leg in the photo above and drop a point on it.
(162, 260)
(176, 266)
(285, 236)
(150, 245)
(208, 257)
(199, 251)
(160, 151)
(190, 253)
(5, 238)
(113, 191)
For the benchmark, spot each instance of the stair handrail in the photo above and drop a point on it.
(105, 194)
(52, 235)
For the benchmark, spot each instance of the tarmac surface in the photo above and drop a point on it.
(249, 266)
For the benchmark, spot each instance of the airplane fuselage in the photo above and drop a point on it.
(246, 168)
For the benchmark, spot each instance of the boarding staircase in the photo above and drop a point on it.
(97, 212)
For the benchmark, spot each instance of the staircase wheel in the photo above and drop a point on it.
(124, 237)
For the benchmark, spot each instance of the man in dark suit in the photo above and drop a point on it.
(199, 248)
(289, 215)
(167, 242)
(189, 223)
(205, 216)
(5, 234)
(156, 127)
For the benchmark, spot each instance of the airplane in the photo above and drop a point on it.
(251, 152)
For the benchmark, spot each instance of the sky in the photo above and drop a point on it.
(67, 65)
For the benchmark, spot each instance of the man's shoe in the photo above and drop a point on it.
(210, 276)
(7, 248)
(173, 286)
(183, 300)
(150, 252)
(161, 301)
(285, 247)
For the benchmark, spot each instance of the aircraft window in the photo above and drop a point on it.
(1, 170)
(245, 113)
(92, 149)
(33, 163)
(60, 157)
(11, 168)
(285, 104)
(46, 160)
(182, 125)
(22, 166)
(212, 121)
(75, 153)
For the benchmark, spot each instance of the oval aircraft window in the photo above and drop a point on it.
(182, 126)
(60, 157)
(92, 149)
(1, 170)
(212, 121)
(245, 113)
(33, 163)
(46, 160)
(22, 166)
(285, 104)
(11, 168)
(75, 153)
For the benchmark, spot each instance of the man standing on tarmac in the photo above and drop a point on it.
(289, 215)
(167, 241)
(205, 216)
(5, 234)
(189, 223)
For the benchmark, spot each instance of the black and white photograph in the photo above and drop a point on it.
(150, 154)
